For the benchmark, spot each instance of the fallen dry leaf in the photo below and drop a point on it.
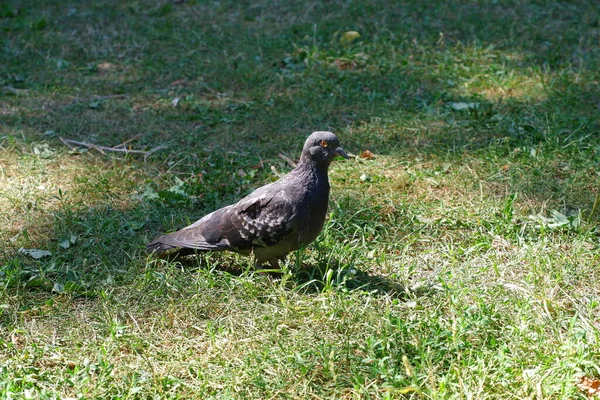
(35, 253)
(589, 385)
(368, 154)
(345, 64)
(458, 106)
(350, 36)
(17, 340)
(105, 67)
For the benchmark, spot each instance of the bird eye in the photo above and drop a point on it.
(324, 143)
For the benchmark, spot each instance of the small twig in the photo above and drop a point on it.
(288, 160)
(15, 91)
(149, 152)
(70, 142)
(110, 96)
(128, 140)
(274, 170)
(102, 149)
(100, 98)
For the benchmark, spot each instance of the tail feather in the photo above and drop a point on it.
(173, 242)
(158, 247)
(163, 250)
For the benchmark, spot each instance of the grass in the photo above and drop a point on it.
(460, 262)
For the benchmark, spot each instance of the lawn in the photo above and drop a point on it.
(460, 255)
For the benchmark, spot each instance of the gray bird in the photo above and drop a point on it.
(274, 219)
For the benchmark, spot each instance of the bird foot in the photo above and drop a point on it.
(274, 264)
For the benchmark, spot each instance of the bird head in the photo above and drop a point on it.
(322, 147)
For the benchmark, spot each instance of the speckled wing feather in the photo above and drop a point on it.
(262, 219)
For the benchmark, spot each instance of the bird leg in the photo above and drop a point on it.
(272, 263)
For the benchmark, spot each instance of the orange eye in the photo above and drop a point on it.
(324, 143)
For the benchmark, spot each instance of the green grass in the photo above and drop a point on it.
(460, 262)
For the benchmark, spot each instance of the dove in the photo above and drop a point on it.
(272, 221)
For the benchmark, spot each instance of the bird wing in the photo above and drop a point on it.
(260, 220)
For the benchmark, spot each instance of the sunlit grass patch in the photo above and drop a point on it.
(459, 257)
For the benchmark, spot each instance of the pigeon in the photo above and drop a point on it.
(272, 221)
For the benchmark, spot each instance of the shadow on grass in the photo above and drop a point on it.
(289, 77)
(100, 259)
(316, 278)
(307, 278)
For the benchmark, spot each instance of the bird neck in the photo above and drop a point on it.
(306, 162)
(312, 167)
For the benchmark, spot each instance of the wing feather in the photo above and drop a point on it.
(255, 221)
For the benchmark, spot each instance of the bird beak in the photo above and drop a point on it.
(340, 152)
